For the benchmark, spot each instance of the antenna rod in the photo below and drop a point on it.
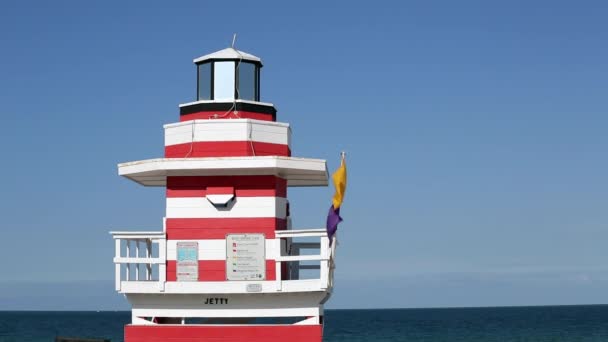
(233, 40)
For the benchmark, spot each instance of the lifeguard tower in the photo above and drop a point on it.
(227, 265)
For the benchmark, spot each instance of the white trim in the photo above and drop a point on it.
(217, 130)
(216, 287)
(324, 265)
(223, 121)
(132, 260)
(117, 266)
(200, 207)
(137, 235)
(162, 268)
(267, 104)
(300, 258)
(297, 171)
(234, 301)
(245, 312)
(301, 233)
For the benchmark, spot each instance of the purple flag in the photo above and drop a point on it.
(333, 218)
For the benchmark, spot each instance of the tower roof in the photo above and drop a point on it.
(228, 53)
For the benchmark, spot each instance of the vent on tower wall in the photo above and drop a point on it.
(220, 196)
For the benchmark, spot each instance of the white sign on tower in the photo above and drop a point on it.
(245, 257)
(187, 261)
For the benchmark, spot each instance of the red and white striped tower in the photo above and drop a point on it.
(227, 265)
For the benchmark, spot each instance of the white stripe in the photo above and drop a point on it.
(216, 249)
(227, 130)
(200, 207)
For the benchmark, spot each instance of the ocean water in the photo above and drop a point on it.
(547, 323)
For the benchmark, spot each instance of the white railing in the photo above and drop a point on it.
(325, 256)
(145, 272)
(138, 251)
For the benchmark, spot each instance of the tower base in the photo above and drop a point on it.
(223, 333)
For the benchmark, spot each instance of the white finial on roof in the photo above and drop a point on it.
(233, 40)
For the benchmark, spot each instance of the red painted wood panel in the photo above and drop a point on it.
(244, 186)
(218, 228)
(226, 149)
(220, 190)
(232, 115)
(215, 270)
(197, 333)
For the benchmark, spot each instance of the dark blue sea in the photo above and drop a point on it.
(546, 323)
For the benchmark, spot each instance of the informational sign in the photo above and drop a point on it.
(245, 257)
(187, 261)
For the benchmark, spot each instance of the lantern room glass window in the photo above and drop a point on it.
(204, 81)
(247, 81)
(228, 80)
(223, 80)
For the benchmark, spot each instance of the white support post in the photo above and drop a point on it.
(324, 252)
(137, 256)
(277, 274)
(128, 277)
(149, 255)
(277, 265)
(287, 250)
(117, 265)
(162, 268)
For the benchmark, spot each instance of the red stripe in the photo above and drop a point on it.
(195, 333)
(193, 192)
(221, 223)
(220, 190)
(244, 186)
(206, 233)
(232, 115)
(215, 228)
(215, 270)
(226, 149)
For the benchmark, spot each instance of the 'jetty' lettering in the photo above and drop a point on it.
(214, 301)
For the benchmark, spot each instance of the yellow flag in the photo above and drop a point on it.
(339, 178)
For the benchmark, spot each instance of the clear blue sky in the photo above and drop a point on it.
(476, 134)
